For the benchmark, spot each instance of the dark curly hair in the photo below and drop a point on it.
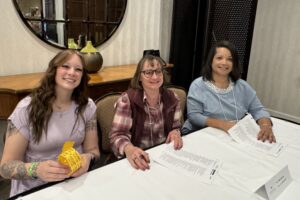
(235, 74)
(42, 98)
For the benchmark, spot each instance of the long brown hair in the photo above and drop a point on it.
(42, 98)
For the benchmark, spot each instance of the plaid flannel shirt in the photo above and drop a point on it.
(120, 134)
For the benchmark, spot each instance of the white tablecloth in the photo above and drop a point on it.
(243, 171)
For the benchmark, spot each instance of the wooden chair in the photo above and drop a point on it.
(105, 114)
(181, 93)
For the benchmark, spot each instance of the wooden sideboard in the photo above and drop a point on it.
(108, 79)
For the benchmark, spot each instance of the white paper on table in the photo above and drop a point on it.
(245, 132)
(188, 163)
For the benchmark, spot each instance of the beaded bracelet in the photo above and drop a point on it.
(32, 169)
(266, 125)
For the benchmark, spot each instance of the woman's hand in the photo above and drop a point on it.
(137, 158)
(228, 125)
(85, 163)
(220, 124)
(266, 133)
(50, 171)
(175, 136)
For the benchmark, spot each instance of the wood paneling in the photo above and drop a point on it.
(14, 88)
(8, 102)
(108, 79)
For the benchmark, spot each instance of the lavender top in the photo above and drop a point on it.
(59, 131)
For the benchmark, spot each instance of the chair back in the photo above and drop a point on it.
(105, 114)
(181, 93)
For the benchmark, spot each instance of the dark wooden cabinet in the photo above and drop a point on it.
(97, 91)
(14, 88)
(108, 79)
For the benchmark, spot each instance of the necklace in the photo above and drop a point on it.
(220, 90)
(223, 109)
(151, 123)
(57, 106)
(60, 109)
(151, 119)
(223, 91)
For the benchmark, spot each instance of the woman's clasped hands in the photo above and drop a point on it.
(51, 171)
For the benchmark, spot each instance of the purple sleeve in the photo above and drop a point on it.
(19, 117)
(90, 110)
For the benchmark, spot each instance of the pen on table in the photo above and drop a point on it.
(144, 158)
(212, 172)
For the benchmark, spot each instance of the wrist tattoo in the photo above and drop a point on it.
(13, 170)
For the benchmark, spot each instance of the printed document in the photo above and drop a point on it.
(245, 132)
(188, 163)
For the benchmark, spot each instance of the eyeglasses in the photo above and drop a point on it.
(149, 73)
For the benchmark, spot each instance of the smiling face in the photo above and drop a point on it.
(151, 76)
(222, 62)
(69, 74)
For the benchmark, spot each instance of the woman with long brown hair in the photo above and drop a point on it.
(59, 110)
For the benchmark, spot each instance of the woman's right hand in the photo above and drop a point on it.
(220, 124)
(51, 171)
(137, 158)
(227, 125)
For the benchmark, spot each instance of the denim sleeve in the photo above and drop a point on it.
(195, 105)
(255, 108)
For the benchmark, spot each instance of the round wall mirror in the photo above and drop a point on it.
(58, 21)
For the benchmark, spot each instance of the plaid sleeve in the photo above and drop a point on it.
(177, 115)
(120, 135)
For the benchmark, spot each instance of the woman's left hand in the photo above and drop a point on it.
(266, 133)
(175, 136)
(85, 163)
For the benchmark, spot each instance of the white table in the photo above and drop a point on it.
(243, 170)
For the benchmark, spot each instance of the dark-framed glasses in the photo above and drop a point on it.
(149, 73)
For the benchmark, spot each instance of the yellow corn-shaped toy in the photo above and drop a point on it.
(70, 157)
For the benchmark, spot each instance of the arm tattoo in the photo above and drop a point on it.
(91, 125)
(11, 129)
(13, 170)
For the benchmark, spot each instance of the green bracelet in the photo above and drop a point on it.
(32, 170)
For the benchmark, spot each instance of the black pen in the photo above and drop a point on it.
(144, 158)
(212, 172)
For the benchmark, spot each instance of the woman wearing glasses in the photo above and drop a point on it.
(147, 114)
